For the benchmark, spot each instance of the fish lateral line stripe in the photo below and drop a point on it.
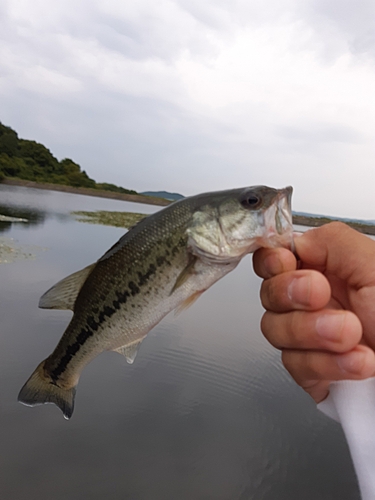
(71, 350)
(94, 325)
(143, 278)
(122, 297)
(134, 289)
(107, 311)
(161, 260)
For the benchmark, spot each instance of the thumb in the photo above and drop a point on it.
(347, 258)
(339, 250)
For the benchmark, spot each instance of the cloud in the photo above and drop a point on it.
(317, 133)
(333, 20)
(189, 96)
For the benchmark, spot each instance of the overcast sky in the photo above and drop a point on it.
(200, 95)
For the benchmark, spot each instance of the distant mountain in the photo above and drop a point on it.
(164, 194)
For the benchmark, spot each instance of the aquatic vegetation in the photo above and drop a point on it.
(10, 251)
(106, 218)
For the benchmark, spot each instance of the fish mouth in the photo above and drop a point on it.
(278, 221)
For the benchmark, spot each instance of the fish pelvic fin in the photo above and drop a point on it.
(39, 390)
(129, 351)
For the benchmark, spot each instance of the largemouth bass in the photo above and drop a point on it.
(164, 262)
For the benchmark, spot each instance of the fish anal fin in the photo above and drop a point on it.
(129, 351)
(188, 302)
(63, 295)
(185, 273)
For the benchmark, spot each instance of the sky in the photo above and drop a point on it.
(191, 96)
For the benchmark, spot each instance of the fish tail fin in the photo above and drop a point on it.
(39, 390)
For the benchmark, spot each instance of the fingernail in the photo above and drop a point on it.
(351, 362)
(299, 290)
(329, 326)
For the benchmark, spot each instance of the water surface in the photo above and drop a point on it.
(206, 412)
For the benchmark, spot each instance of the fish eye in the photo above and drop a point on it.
(250, 200)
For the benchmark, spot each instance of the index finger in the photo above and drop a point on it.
(269, 262)
(304, 290)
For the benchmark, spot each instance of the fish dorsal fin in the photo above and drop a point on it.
(129, 351)
(63, 295)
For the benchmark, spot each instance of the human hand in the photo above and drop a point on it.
(322, 315)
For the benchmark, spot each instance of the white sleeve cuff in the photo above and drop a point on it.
(352, 403)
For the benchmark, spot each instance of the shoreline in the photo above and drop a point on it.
(301, 220)
(136, 198)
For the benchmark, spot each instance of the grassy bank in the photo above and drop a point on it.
(136, 198)
(302, 220)
(126, 219)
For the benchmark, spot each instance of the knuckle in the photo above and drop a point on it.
(270, 327)
(300, 365)
(264, 294)
(258, 262)
(289, 360)
(338, 227)
(298, 329)
(270, 295)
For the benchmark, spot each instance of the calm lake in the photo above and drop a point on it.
(206, 412)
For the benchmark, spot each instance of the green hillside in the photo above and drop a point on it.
(32, 161)
(164, 194)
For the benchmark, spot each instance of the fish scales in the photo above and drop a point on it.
(167, 260)
(140, 270)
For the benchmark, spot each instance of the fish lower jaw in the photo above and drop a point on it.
(275, 240)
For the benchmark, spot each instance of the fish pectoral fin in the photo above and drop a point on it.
(129, 351)
(63, 295)
(188, 302)
(185, 273)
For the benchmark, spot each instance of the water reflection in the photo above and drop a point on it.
(37, 205)
(205, 413)
(30, 217)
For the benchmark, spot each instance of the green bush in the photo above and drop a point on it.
(32, 161)
(116, 189)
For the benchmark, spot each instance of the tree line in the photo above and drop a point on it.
(32, 161)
